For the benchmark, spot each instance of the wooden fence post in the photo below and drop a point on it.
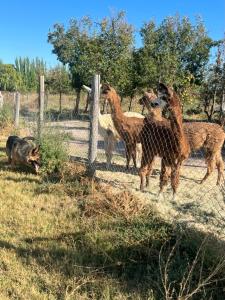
(17, 110)
(1, 100)
(41, 105)
(94, 113)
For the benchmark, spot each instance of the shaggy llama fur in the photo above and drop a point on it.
(111, 136)
(204, 135)
(127, 127)
(166, 140)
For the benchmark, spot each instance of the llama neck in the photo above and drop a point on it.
(176, 119)
(117, 114)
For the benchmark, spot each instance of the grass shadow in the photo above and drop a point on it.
(134, 264)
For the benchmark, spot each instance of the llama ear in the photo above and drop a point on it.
(162, 88)
(86, 88)
(105, 88)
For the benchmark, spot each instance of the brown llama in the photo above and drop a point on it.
(208, 136)
(127, 127)
(164, 139)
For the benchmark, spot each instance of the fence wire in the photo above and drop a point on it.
(196, 203)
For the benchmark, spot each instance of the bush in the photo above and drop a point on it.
(54, 151)
(6, 116)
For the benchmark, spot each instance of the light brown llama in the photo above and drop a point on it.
(164, 139)
(127, 127)
(208, 136)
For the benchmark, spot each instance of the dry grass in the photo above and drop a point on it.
(81, 239)
(78, 239)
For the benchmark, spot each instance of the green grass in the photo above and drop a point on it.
(75, 239)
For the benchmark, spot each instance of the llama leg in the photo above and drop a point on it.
(175, 178)
(145, 171)
(138, 153)
(220, 168)
(109, 143)
(128, 155)
(164, 175)
(134, 155)
(211, 163)
(149, 172)
(108, 151)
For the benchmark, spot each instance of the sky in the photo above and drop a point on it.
(24, 25)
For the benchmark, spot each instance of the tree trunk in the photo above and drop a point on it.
(60, 102)
(130, 104)
(77, 103)
(222, 109)
(209, 107)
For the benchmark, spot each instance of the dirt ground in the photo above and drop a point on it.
(201, 205)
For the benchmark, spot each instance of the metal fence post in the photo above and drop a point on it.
(17, 109)
(94, 112)
(41, 105)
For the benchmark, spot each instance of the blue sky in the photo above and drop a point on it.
(24, 24)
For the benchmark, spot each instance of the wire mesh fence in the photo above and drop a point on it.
(196, 203)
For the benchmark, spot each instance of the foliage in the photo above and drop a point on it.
(58, 80)
(54, 151)
(30, 70)
(173, 51)
(176, 52)
(90, 47)
(213, 88)
(10, 79)
(6, 116)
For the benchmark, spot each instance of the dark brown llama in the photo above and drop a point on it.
(164, 139)
(208, 136)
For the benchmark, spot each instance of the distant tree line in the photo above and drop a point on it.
(176, 52)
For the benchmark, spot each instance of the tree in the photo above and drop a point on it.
(30, 70)
(59, 82)
(90, 47)
(172, 52)
(10, 79)
(213, 89)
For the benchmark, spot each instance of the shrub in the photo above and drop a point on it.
(54, 151)
(6, 116)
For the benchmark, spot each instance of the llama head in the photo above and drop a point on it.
(86, 88)
(165, 96)
(108, 92)
(148, 97)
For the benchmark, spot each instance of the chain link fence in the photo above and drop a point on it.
(199, 204)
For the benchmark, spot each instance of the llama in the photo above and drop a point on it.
(147, 101)
(208, 136)
(127, 127)
(111, 136)
(164, 139)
